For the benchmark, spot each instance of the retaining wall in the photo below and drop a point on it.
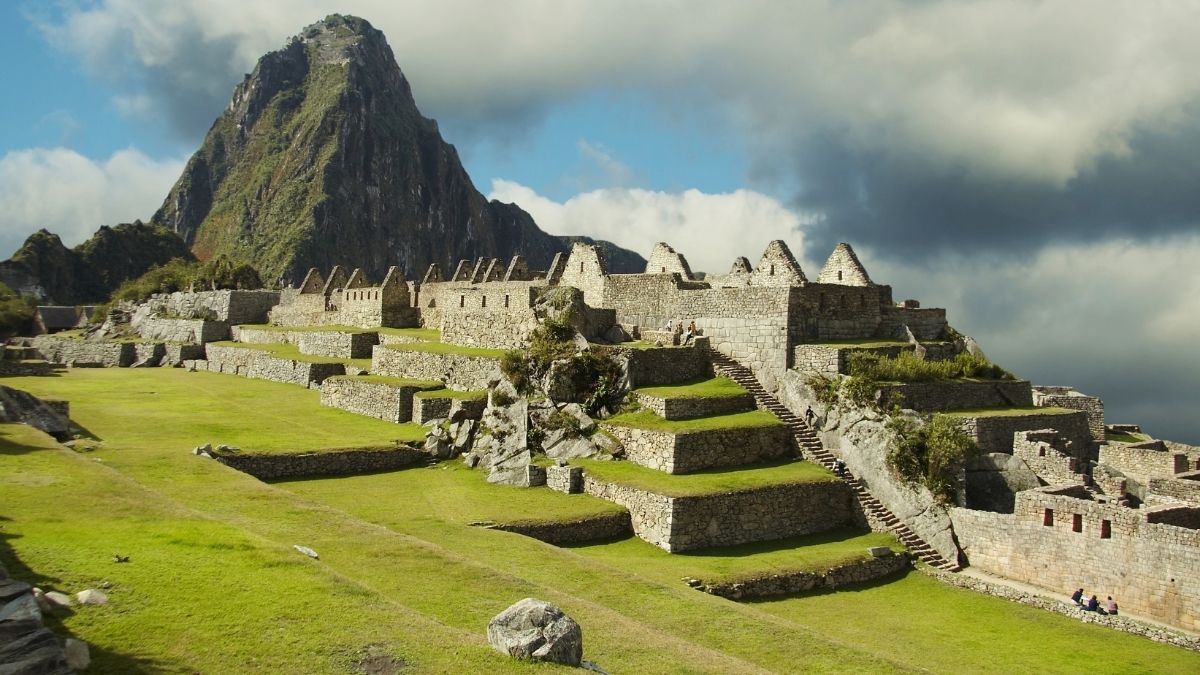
(458, 371)
(261, 365)
(791, 583)
(392, 402)
(347, 462)
(763, 514)
(182, 330)
(659, 366)
(584, 530)
(79, 352)
(955, 395)
(699, 450)
(994, 433)
(677, 408)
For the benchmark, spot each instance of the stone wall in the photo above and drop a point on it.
(174, 355)
(699, 450)
(994, 433)
(925, 324)
(659, 366)
(790, 583)
(260, 336)
(688, 523)
(231, 307)
(458, 371)
(348, 462)
(833, 360)
(392, 402)
(1163, 489)
(187, 331)
(677, 408)
(1058, 540)
(336, 344)
(1142, 463)
(261, 365)
(1066, 397)
(955, 395)
(565, 533)
(80, 353)
(1046, 454)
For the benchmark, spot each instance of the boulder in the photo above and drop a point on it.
(461, 435)
(559, 381)
(534, 629)
(36, 650)
(573, 448)
(304, 550)
(586, 424)
(502, 447)
(615, 334)
(91, 596)
(11, 588)
(21, 406)
(437, 442)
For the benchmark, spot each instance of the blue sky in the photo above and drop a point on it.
(1029, 166)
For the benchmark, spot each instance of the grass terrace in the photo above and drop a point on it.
(292, 352)
(213, 584)
(808, 553)
(1125, 437)
(447, 348)
(424, 334)
(645, 419)
(424, 385)
(788, 472)
(861, 343)
(717, 387)
(473, 395)
(183, 410)
(1007, 412)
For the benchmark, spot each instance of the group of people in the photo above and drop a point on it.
(1093, 605)
(688, 335)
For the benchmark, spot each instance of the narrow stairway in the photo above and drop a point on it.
(812, 448)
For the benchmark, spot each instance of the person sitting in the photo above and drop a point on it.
(691, 332)
(1077, 597)
(1110, 606)
(1093, 605)
(670, 327)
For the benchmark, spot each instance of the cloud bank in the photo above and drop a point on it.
(72, 196)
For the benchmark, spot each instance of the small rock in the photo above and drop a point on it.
(91, 596)
(55, 600)
(118, 558)
(106, 585)
(306, 551)
(880, 551)
(205, 449)
(78, 655)
(535, 629)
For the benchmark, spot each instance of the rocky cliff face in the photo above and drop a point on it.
(322, 158)
(54, 274)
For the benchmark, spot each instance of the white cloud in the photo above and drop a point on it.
(72, 195)
(710, 230)
(615, 173)
(1115, 319)
(1033, 91)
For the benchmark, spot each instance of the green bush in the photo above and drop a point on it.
(180, 275)
(16, 313)
(929, 454)
(906, 367)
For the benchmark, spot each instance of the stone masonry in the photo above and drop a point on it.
(698, 450)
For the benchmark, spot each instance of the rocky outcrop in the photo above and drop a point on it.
(535, 629)
(359, 177)
(21, 406)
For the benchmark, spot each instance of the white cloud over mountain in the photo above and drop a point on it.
(72, 195)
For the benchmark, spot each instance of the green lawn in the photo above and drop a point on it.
(426, 334)
(423, 334)
(446, 348)
(1123, 437)
(289, 351)
(706, 482)
(645, 419)
(1007, 412)
(213, 584)
(716, 387)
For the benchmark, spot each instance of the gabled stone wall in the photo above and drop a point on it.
(1066, 397)
(994, 433)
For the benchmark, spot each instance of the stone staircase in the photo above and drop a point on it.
(812, 448)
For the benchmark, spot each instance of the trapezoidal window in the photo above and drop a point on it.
(1106, 529)
(1048, 518)
(772, 272)
(506, 300)
(581, 267)
(839, 275)
(1077, 522)
(462, 301)
(483, 301)
(663, 269)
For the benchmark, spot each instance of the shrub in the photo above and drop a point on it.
(929, 454)
(825, 389)
(906, 367)
(180, 275)
(16, 313)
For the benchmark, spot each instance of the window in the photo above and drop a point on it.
(506, 300)
(1048, 518)
(1106, 529)
(1041, 452)
(483, 301)
(772, 272)
(663, 269)
(462, 301)
(839, 275)
(581, 267)
(1077, 522)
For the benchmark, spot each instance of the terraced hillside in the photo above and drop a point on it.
(406, 578)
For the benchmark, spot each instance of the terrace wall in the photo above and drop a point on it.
(955, 395)
(699, 450)
(995, 433)
(677, 408)
(458, 371)
(260, 365)
(81, 353)
(386, 401)
(348, 462)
